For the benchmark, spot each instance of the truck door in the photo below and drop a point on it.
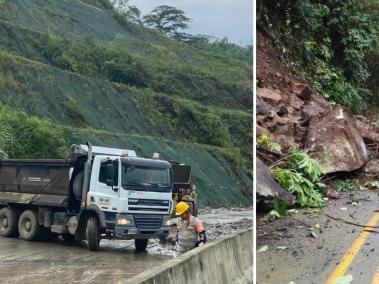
(105, 193)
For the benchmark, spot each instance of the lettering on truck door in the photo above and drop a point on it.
(106, 196)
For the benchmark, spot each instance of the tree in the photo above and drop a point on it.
(121, 5)
(134, 15)
(167, 19)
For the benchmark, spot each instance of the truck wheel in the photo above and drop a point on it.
(8, 222)
(92, 234)
(140, 244)
(28, 226)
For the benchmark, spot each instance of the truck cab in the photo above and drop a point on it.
(132, 196)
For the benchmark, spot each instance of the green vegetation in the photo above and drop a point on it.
(301, 178)
(25, 136)
(83, 70)
(167, 19)
(329, 41)
(279, 209)
(264, 141)
(342, 186)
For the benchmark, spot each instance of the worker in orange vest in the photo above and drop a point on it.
(190, 231)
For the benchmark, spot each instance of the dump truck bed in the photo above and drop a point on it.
(40, 182)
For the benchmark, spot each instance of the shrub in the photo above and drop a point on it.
(330, 40)
(301, 178)
(30, 137)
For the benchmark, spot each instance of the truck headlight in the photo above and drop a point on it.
(168, 223)
(122, 221)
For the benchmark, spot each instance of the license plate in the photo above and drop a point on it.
(132, 231)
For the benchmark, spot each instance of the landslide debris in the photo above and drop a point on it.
(291, 113)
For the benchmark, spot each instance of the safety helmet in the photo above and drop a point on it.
(181, 208)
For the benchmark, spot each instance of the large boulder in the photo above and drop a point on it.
(335, 141)
(267, 187)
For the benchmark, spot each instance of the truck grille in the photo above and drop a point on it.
(148, 221)
(148, 202)
(148, 209)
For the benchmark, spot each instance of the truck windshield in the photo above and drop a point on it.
(145, 178)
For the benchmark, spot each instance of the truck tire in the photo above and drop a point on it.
(8, 222)
(28, 226)
(140, 244)
(92, 234)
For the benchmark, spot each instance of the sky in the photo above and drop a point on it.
(218, 18)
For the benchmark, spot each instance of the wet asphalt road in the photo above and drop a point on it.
(61, 262)
(338, 250)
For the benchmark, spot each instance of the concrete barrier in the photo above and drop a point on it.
(228, 260)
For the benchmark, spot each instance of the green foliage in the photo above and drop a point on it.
(167, 19)
(301, 178)
(71, 109)
(332, 84)
(305, 191)
(201, 124)
(266, 142)
(330, 40)
(6, 138)
(221, 48)
(301, 162)
(113, 62)
(30, 137)
(161, 71)
(279, 211)
(134, 15)
(342, 186)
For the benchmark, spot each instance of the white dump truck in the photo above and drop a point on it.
(94, 193)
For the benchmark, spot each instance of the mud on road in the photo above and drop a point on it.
(62, 262)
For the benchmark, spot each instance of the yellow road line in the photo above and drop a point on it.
(375, 279)
(352, 252)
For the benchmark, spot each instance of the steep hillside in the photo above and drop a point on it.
(117, 84)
